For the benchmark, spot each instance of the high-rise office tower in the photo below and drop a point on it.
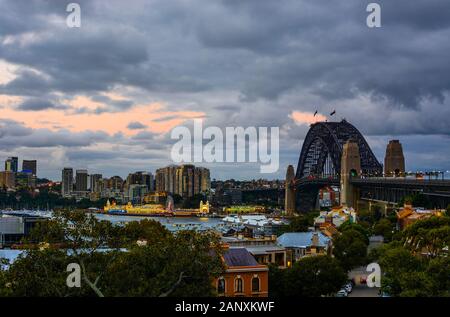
(136, 193)
(8, 165)
(147, 179)
(205, 182)
(81, 180)
(12, 164)
(30, 165)
(140, 178)
(115, 183)
(151, 182)
(95, 183)
(165, 179)
(67, 181)
(184, 180)
(7, 179)
(197, 180)
(159, 180)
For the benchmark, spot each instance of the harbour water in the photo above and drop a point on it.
(171, 223)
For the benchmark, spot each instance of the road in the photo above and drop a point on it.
(364, 291)
(361, 290)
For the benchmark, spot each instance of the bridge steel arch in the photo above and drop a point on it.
(324, 143)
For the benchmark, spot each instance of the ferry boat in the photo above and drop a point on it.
(115, 211)
(155, 210)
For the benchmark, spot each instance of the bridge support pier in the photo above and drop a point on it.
(394, 161)
(289, 198)
(350, 167)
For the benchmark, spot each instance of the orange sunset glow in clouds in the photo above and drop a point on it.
(153, 116)
(306, 117)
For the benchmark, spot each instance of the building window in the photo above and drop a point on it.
(221, 286)
(238, 285)
(255, 284)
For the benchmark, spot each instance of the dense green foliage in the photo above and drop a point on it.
(384, 228)
(370, 215)
(194, 201)
(310, 277)
(300, 223)
(416, 262)
(417, 200)
(44, 199)
(350, 247)
(346, 226)
(429, 236)
(112, 262)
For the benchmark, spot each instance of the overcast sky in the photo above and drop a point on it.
(105, 96)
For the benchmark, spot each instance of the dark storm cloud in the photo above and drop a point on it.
(27, 83)
(242, 62)
(345, 58)
(143, 135)
(115, 104)
(38, 105)
(91, 155)
(422, 15)
(19, 17)
(14, 135)
(109, 105)
(11, 128)
(227, 108)
(136, 125)
(83, 61)
(281, 46)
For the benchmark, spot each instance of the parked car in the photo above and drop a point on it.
(383, 294)
(342, 293)
(348, 288)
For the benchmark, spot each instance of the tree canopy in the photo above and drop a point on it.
(309, 277)
(416, 262)
(112, 261)
(300, 223)
(350, 248)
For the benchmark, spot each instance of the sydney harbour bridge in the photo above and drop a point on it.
(336, 154)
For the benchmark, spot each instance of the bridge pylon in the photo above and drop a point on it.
(289, 198)
(350, 167)
(394, 161)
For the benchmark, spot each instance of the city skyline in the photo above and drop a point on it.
(106, 95)
(125, 173)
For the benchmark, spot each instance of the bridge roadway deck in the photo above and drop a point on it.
(399, 182)
(402, 182)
